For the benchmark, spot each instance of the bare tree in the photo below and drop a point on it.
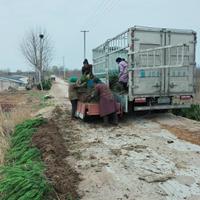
(37, 50)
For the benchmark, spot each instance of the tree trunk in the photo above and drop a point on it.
(40, 80)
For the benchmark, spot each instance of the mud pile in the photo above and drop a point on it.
(62, 177)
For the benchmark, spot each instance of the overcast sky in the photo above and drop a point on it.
(64, 19)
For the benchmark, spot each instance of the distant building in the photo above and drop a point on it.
(14, 81)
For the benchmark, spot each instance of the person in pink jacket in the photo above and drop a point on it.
(107, 103)
(123, 72)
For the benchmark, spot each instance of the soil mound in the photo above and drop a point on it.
(63, 178)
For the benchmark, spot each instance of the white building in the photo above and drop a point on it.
(17, 82)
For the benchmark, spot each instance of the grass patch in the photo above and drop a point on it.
(191, 113)
(42, 101)
(23, 174)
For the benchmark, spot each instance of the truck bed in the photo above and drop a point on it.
(92, 109)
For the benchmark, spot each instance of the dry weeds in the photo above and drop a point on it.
(8, 120)
(14, 109)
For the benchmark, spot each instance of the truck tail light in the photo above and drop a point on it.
(140, 100)
(185, 97)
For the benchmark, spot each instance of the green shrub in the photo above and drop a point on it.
(192, 113)
(46, 84)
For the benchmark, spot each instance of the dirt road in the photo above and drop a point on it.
(141, 159)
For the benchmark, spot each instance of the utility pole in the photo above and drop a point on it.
(84, 37)
(41, 75)
(64, 67)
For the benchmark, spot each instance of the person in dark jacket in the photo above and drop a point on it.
(107, 103)
(87, 68)
(73, 96)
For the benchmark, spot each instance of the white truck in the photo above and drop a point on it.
(161, 66)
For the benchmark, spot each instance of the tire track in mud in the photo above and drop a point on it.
(184, 134)
(183, 128)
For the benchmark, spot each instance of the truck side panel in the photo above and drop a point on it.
(180, 80)
(176, 76)
(147, 82)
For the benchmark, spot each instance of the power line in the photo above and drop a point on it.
(105, 9)
(102, 9)
(64, 66)
(95, 12)
(99, 9)
(112, 5)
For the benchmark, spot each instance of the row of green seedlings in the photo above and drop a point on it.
(22, 176)
(191, 113)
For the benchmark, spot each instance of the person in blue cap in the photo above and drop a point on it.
(73, 96)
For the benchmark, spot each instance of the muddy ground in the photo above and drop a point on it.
(144, 158)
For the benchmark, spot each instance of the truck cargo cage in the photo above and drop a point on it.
(104, 55)
(177, 56)
(161, 63)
